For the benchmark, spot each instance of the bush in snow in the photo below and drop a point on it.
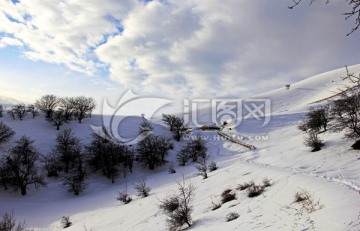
(108, 156)
(245, 185)
(212, 166)
(141, 188)
(124, 196)
(202, 166)
(176, 125)
(314, 142)
(5, 132)
(266, 182)
(19, 111)
(21, 163)
(178, 207)
(227, 195)
(315, 120)
(255, 190)
(65, 222)
(32, 110)
(171, 168)
(215, 206)
(152, 151)
(1, 110)
(145, 126)
(169, 204)
(8, 223)
(306, 201)
(192, 150)
(231, 216)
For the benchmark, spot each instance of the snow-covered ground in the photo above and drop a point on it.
(331, 175)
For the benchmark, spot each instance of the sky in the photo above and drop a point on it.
(168, 48)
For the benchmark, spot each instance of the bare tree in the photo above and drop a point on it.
(202, 166)
(152, 151)
(5, 132)
(5, 175)
(108, 156)
(11, 113)
(83, 106)
(179, 128)
(66, 105)
(47, 104)
(58, 118)
(180, 207)
(22, 163)
(353, 13)
(32, 110)
(316, 119)
(169, 120)
(52, 164)
(74, 178)
(67, 148)
(145, 126)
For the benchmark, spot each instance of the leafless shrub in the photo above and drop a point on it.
(245, 185)
(313, 141)
(255, 190)
(212, 166)
(171, 168)
(65, 222)
(215, 206)
(231, 216)
(8, 223)
(141, 188)
(178, 207)
(227, 195)
(124, 196)
(266, 182)
(5, 132)
(307, 201)
(169, 204)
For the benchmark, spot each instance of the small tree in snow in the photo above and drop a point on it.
(58, 118)
(19, 110)
(22, 164)
(47, 104)
(179, 207)
(32, 110)
(313, 141)
(5, 132)
(142, 189)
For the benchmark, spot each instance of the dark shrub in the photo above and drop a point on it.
(227, 195)
(231, 216)
(65, 222)
(255, 190)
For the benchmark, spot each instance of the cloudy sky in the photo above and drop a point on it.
(187, 48)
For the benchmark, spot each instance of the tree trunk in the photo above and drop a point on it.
(23, 190)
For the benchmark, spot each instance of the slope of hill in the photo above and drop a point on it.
(331, 176)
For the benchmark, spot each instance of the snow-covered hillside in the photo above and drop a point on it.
(332, 175)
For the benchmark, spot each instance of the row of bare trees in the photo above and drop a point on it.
(61, 110)
(341, 114)
(57, 110)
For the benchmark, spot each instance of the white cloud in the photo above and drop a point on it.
(62, 32)
(195, 48)
(8, 41)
